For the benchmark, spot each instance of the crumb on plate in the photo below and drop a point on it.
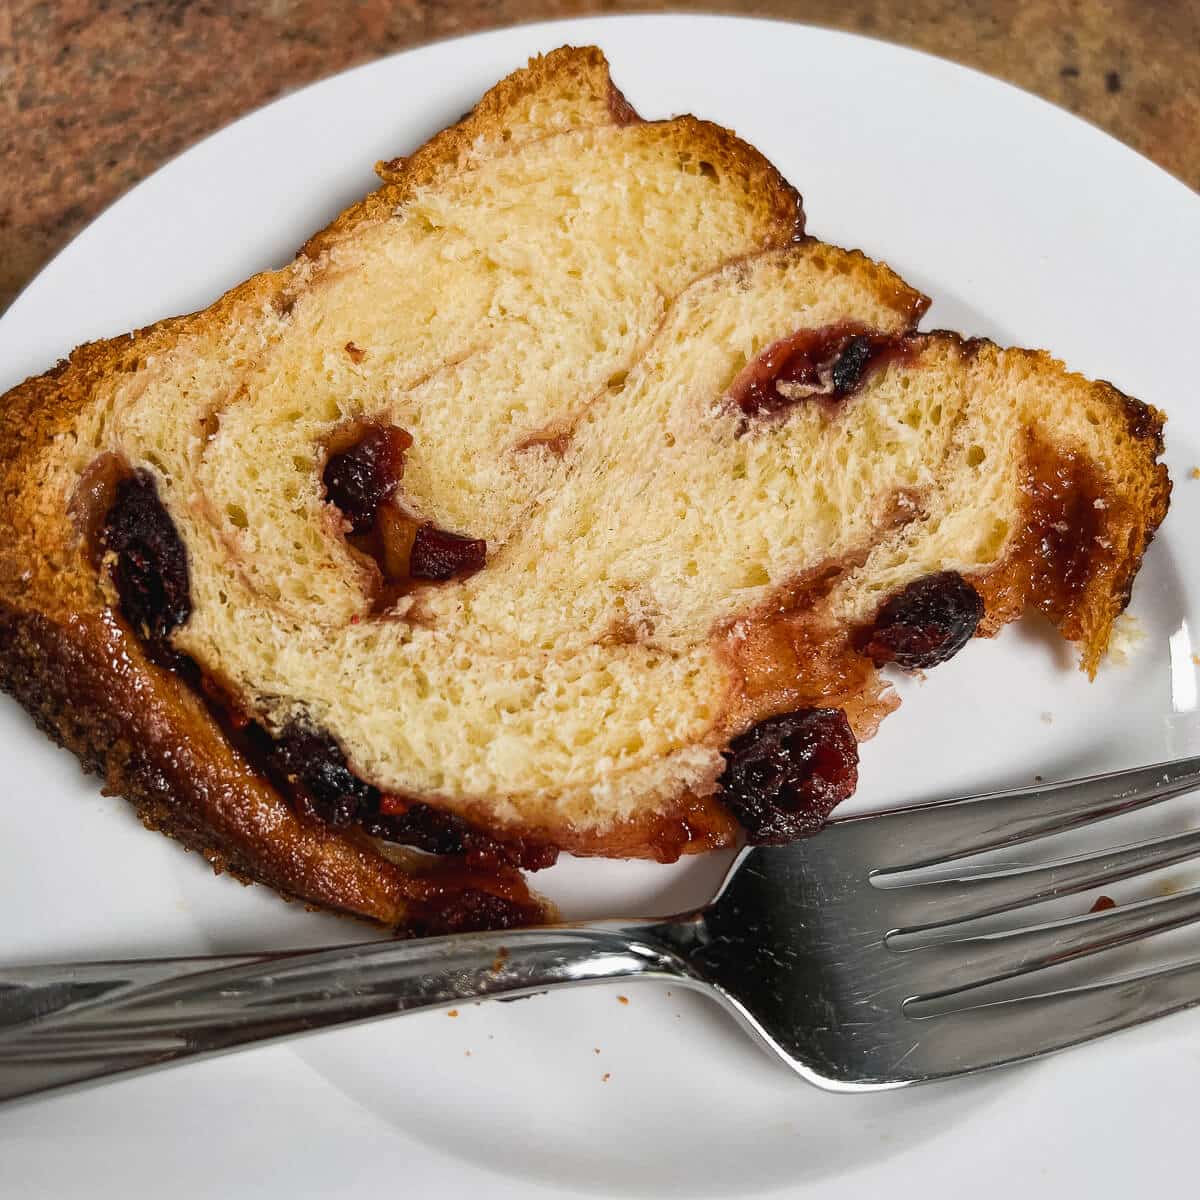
(1126, 639)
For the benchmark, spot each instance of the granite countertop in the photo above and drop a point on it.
(95, 94)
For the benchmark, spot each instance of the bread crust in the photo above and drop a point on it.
(1132, 519)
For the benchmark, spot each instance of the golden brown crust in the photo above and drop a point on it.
(89, 685)
(621, 111)
(585, 66)
(452, 147)
(1117, 515)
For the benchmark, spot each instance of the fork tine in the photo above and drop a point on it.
(934, 833)
(966, 963)
(921, 906)
(1008, 1031)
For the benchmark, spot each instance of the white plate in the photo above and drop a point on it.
(1026, 225)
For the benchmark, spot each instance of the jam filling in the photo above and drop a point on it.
(785, 775)
(1068, 547)
(825, 365)
(93, 500)
(1069, 539)
(361, 480)
(926, 623)
(789, 655)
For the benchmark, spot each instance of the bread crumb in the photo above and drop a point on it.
(466, 1054)
(1196, 659)
(1127, 636)
(453, 1012)
(595, 1049)
(622, 999)
(1196, 472)
(1048, 718)
(606, 1077)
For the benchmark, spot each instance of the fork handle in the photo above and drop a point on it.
(68, 1024)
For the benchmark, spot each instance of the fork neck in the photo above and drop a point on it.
(652, 948)
(64, 1025)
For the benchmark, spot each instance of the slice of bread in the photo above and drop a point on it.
(560, 495)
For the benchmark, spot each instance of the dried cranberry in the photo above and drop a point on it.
(928, 622)
(439, 555)
(784, 776)
(314, 764)
(151, 571)
(418, 826)
(850, 364)
(412, 823)
(360, 479)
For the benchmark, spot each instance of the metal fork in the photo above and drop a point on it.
(808, 945)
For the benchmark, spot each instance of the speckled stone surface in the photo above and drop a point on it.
(95, 94)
